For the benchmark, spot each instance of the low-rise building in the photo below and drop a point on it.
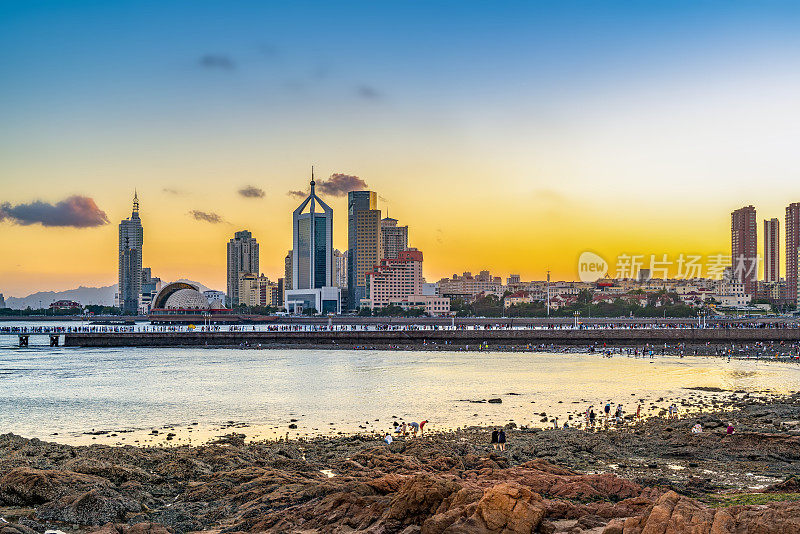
(467, 286)
(518, 297)
(61, 305)
(431, 305)
(213, 295)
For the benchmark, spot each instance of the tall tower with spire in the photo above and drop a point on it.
(130, 260)
(312, 280)
(312, 242)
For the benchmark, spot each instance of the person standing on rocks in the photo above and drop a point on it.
(494, 438)
(607, 409)
(501, 439)
(422, 427)
(414, 428)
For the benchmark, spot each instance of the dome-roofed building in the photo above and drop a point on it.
(187, 299)
(183, 292)
(182, 302)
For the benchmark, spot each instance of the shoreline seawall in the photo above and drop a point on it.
(420, 338)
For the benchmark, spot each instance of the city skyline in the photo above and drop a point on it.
(760, 232)
(510, 139)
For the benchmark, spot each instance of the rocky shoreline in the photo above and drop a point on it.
(635, 480)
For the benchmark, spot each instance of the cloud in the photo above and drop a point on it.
(217, 61)
(76, 211)
(173, 191)
(340, 184)
(205, 216)
(252, 192)
(368, 93)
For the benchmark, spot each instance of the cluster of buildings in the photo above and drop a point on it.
(378, 270)
(746, 261)
(695, 292)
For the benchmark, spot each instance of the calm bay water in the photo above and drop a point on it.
(70, 391)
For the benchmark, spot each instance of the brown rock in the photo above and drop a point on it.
(614, 526)
(509, 508)
(25, 486)
(419, 498)
(95, 507)
(138, 528)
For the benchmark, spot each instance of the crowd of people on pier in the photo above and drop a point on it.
(351, 327)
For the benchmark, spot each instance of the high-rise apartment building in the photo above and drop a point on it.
(792, 229)
(363, 243)
(131, 237)
(399, 282)
(394, 239)
(772, 250)
(287, 271)
(312, 258)
(744, 248)
(340, 268)
(242, 258)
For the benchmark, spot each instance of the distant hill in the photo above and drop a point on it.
(103, 296)
(85, 295)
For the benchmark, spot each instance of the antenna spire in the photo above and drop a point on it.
(135, 201)
(312, 179)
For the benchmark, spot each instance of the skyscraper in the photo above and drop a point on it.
(312, 243)
(130, 260)
(312, 257)
(394, 239)
(792, 229)
(772, 250)
(744, 248)
(363, 243)
(242, 258)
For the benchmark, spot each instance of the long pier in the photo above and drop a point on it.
(462, 338)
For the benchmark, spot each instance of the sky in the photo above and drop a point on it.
(509, 136)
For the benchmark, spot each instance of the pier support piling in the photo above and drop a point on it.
(54, 341)
(23, 341)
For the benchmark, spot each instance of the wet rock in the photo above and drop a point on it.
(25, 486)
(95, 507)
(137, 528)
(495, 401)
(19, 528)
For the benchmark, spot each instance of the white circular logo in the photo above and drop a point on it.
(591, 267)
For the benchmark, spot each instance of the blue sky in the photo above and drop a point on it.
(445, 108)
